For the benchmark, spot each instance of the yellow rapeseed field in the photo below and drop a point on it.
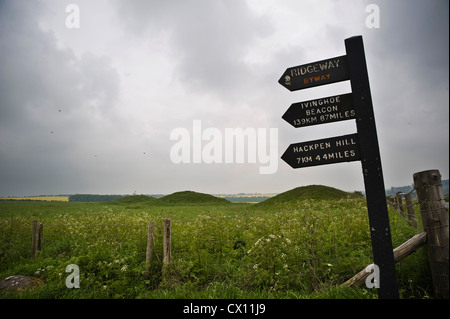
(42, 198)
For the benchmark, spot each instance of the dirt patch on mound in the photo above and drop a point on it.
(19, 283)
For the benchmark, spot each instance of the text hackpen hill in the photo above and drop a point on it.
(361, 146)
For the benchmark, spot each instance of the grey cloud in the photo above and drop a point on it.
(52, 103)
(409, 79)
(38, 76)
(209, 38)
(219, 61)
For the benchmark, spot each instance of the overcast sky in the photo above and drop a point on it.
(91, 109)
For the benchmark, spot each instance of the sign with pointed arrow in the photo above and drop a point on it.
(321, 111)
(361, 146)
(321, 152)
(315, 74)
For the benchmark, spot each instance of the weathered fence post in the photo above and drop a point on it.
(401, 252)
(390, 201)
(435, 219)
(410, 210)
(167, 254)
(149, 252)
(396, 202)
(400, 203)
(36, 242)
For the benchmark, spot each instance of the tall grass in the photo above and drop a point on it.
(304, 249)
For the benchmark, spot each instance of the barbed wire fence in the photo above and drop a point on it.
(290, 244)
(404, 204)
(270, 246)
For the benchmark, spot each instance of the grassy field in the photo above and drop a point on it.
(300, 244)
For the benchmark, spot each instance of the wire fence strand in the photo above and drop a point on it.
(295, 240)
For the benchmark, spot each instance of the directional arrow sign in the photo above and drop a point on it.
(315, 74)
(320, 111)
(362, 146)
(320, 152)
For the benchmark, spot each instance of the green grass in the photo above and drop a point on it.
(312, 192)
(192, 198)
(133, 199)
(303, 245)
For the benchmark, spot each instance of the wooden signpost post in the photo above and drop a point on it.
(362, 146)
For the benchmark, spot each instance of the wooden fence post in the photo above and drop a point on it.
(410, 210)
(396, 202)
(401, 252)
(391, 201)
(149, 252)
(400, 203)
(435, 219)
(167, 254)
(36, 241)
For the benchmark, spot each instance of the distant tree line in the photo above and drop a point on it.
(246, 199)
(402, 189)
(406, 189)
(93, 198)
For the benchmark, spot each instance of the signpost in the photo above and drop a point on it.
(315, 74)
(320, 152)
(362, 146)
(321, 111)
